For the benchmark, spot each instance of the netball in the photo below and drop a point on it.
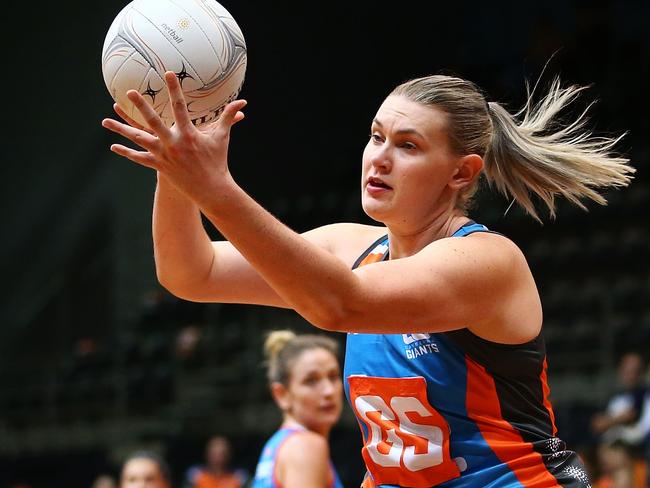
(199, 40)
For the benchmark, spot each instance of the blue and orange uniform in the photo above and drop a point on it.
(265, 475)
(451, 409)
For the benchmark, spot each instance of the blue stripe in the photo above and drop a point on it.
(469, 228)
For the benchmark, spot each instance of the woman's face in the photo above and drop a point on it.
(314, 395)
(407, 164)
(142, 473)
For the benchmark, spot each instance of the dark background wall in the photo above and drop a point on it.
(88, 368)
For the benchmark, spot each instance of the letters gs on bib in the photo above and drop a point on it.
(406, 440)
(197, 39)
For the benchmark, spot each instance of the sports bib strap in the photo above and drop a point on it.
(469, 228)
(377, 251)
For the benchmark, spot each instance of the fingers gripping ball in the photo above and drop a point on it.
(196, 39)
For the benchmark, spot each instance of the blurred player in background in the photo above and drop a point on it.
(305, 381)
(445, 365)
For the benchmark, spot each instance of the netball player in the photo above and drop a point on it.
(445, 367)
(305, 380)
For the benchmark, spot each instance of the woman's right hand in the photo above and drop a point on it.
(194, 159)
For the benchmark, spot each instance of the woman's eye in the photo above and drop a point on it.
(408, 145)
(375, 137)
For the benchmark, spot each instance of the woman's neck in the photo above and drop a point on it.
(405, 243)
(290, 422)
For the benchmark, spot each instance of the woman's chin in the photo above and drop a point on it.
(375, 210)
(324, 423)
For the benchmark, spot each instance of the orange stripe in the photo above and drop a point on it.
(547, 392)
(367, 483)
(373, 257)
(507, 444)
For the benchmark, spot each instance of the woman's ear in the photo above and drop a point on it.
(281, 396)
(467, 170)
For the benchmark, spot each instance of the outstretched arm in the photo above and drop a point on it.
(452, 283)
(193, 175)
(192, 267)
(188, 264)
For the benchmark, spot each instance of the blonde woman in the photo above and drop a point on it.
(305, 381)
(445, 366)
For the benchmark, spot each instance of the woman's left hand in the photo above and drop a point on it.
(194, 159)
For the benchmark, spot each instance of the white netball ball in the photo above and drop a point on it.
(197, 39)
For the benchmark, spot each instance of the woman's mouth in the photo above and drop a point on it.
(376, 185)
(328, 408)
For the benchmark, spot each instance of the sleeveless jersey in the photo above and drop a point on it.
(265, 471)
(453, 410)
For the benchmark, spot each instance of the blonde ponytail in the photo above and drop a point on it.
(275, 341)
(535, 157)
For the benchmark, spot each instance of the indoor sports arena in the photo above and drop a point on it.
(99, 360)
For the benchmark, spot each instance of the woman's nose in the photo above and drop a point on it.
(380, 158)
(329, 388)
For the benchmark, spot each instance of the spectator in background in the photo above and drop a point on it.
(145, 469)
(216, 472)
(188, 347)
(104, 481)
(86, 360)
(621, 419)
(620, 466)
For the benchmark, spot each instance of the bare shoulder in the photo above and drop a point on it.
(497, 264)
(346, 240)
(481, 247)
(306, 447)
(305, 439)
(492, 260)
(303, 461)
